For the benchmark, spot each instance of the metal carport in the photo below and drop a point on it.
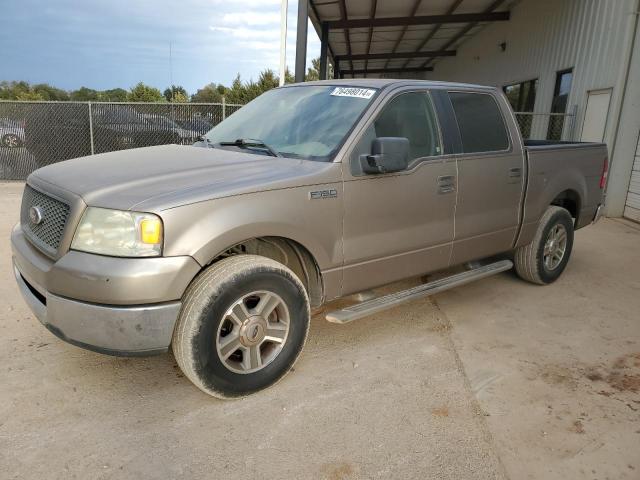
(400, 38)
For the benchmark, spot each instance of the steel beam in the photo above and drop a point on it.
(301, 40)
(324, 43)
(385, 70)
(420, 20)
(390, 55)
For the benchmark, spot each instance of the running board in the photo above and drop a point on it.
(379, 304)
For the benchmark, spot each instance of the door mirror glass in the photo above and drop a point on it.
(388, 154)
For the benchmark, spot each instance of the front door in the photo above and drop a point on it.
(399, 225)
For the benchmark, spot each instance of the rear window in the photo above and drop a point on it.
(481, 125)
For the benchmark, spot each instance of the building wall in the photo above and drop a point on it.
(594, 37)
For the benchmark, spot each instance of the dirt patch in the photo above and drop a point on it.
(577, 427)
(623, 376)
(339, 471)
(440, 412)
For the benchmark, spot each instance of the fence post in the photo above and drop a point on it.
(224, 108)
(574, 114)
(91, 128)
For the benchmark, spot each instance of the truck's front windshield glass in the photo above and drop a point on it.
(308, 122)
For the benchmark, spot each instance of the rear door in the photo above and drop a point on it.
(491, 172)
(399, 225)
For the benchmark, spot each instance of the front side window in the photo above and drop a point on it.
(411, 115)
(480, 122)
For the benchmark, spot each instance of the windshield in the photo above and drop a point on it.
(307, 122)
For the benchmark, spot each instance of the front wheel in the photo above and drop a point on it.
(544, 259)
(243, 323)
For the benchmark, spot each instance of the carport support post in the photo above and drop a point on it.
(324, 44)
(224, 107)
(91, 129)
(301, 40)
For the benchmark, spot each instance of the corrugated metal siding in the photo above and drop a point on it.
(544, 37)
(632, 206)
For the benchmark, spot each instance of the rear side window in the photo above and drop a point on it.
(481, 125)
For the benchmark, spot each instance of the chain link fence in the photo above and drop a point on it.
(34, 134)
(547, 126)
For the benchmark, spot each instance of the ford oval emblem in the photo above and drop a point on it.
(35, 215)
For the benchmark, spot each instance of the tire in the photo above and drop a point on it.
(221, 309)
(532, 261)
(11, 140)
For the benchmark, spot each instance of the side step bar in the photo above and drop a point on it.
(375, 305)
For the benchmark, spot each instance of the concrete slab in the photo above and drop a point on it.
(556, 369)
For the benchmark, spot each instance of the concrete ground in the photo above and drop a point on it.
(498, 379)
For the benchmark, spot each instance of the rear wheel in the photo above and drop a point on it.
(243, 323)
(544, 259)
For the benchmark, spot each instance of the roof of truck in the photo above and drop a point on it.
(385, 82)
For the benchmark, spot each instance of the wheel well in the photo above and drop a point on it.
(287, 252)
(569, 200)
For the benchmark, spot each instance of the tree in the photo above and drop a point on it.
(113, 95)
(171, 93)
(208, 94)
(47, 92)
(313, 72)
(144, 93)
(84, 94)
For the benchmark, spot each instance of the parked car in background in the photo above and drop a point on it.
(309, 193)
(11, 133)
(59, 131)
(182, 135)
(198, 125)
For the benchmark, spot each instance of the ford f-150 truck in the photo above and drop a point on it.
(309, 193)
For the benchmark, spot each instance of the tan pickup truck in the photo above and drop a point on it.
(309, 193)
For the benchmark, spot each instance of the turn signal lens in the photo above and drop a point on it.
(150, 231)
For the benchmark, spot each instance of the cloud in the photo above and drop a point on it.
(251, 18)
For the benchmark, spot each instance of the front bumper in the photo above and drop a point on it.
(117, 306)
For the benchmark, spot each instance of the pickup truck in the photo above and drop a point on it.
(309, 193)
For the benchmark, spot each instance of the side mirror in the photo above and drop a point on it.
(388, 154)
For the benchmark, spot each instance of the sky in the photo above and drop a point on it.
(104, 44)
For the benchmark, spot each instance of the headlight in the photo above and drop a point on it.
(118, 233)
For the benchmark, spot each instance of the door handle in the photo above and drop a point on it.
(446, 180)
(446, 184)
(515, 172)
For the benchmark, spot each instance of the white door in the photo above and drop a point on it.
(595, 117)
(632, 205)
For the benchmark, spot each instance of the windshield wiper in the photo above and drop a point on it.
(249, 143)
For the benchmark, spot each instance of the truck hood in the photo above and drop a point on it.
(167, 176)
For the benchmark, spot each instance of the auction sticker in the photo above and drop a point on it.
(365, 93)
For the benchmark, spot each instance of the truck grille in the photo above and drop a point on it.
(47, 234)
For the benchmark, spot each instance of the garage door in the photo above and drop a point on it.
(632, 208)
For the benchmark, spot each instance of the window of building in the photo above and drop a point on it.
(522, 97)
(559, 104)
(480, 122)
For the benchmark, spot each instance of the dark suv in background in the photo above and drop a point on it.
(60, 131)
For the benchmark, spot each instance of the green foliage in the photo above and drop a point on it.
(175, 93)
(209, 94)
(113, 95)
(84, 94)
(144, 93)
